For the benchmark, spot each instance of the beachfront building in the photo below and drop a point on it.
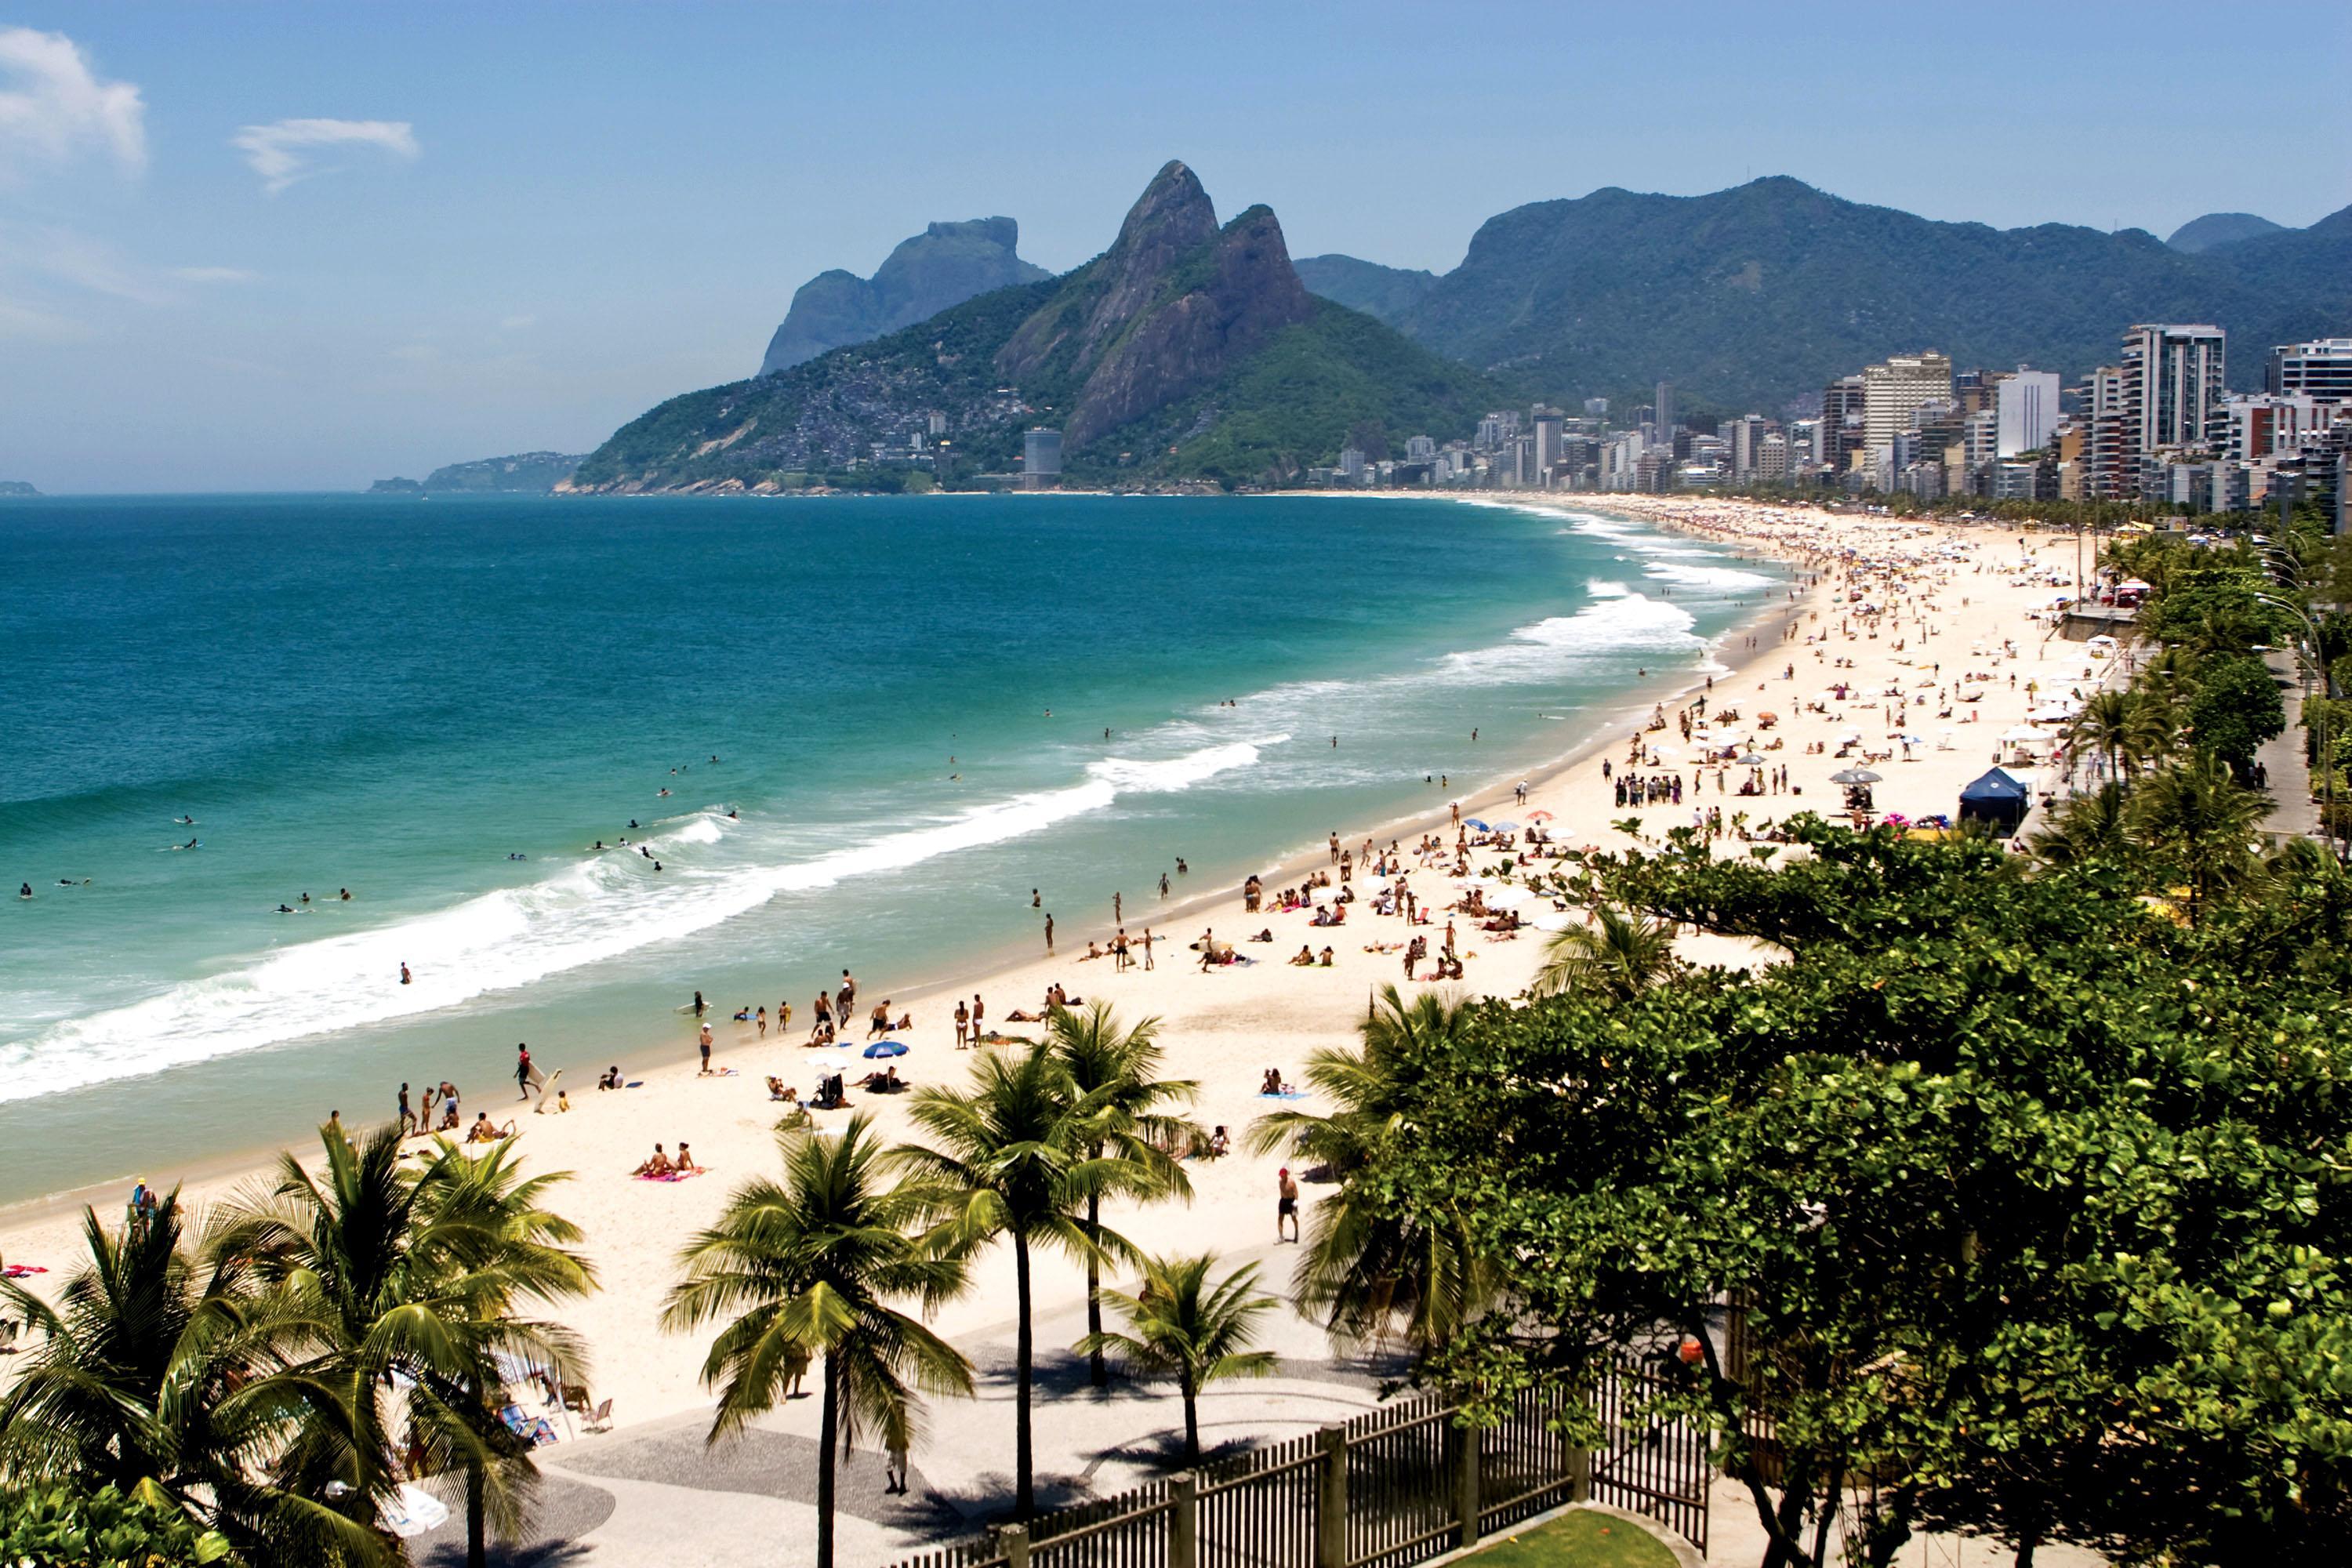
(1837, 436)
(2172, 386)
(1041, 458)
(2320, 369)
(1894, 389)
(2025, 402)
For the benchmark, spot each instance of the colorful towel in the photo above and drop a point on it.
(21, 1270)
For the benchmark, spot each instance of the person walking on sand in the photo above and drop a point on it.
(1286, 1205)
(1146, 947)
(895, 1464)
(407, 1115)
(848, 997)
(706, 1051)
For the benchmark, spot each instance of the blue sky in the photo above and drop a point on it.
(291, 246)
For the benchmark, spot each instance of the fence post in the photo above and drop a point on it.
(1466, 1444)
(1013, 1540)
(1183, 1520)
(1331, 1514)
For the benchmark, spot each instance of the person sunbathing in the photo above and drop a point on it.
(1092, 951)
(686, 1165)
(659, 1165)
(779, 1091)
(1325, 960)
(906, 1020)
(1219, 1142)
(484, 1132)
(1306, 959)
(1265, 935)
(610, 1077)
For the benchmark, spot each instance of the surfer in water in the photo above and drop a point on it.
(25, 891)
(403, 974)
(184, 820)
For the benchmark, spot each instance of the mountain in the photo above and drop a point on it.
(1188, 350)
(1752, 296)
(16, 488)
(945, 265)
(2202, 234)
(525, 473)
(1384, 292)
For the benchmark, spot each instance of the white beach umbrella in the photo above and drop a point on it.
(829, 1063)
(2023, 734)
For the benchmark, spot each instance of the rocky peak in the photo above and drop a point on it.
(1215, 304)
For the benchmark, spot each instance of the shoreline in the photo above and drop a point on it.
(1221, 1027)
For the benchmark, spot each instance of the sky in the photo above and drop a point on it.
(260, 247)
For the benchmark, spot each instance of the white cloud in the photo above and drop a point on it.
(215, 274)
(55, 106)
(280, 151)
(80, 262)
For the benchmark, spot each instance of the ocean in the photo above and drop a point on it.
(841, 733)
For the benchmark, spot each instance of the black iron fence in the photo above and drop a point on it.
(1390, 1488)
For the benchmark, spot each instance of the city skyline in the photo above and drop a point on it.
(290, 250)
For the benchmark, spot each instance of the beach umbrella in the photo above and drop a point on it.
(2022, 735)
(885, 1049)
(1853, 776)
(829, 1063)
(1504, 827)
(1751, 761)
(1481, 827)
(1539, 816)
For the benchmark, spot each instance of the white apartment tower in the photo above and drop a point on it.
(2027, 404)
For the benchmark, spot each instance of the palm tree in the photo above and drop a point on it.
(487, 1223)
(2200, 820)
(136, 1384)
(1366, 1271)
(1619, 955)
(2088, 827)
(1182, 1327)
(2103, 727)
(2152, 726)
(1014, 1160)
(808, 1268)
(383, 1273)
(1117, 1067)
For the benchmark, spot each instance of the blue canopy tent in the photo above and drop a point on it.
(1995, 797)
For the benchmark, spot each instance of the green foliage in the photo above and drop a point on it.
(1750, 296)
(72, 1527)
(2235, 710)
(2029, 1201)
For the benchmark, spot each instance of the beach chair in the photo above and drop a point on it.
(599, 1419)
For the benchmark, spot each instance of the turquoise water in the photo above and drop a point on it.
(397, 697)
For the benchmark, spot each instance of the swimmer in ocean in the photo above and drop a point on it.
(25, 891)
(285, 909)
(403, 974)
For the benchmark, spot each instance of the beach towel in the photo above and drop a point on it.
(21, 1270)
(675, 1175)
(1292, 1094)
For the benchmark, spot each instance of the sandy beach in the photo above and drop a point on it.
(1951, 657)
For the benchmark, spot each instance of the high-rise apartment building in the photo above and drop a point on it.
(1894, 389)
(1041, 458)
(2027, 404)
(1664, 414)
(2110, 461)
(1741, 437)
(1545, 420)
(1771, 459)
(2321, 368)
(2172, 386)
(1839, 434)
(1596, 408)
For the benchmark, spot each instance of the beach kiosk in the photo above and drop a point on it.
(1997, 798)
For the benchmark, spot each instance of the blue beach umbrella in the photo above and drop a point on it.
(886, 1048)
(1504, 827)
(1481, 827)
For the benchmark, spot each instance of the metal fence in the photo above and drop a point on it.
(1390, 1488)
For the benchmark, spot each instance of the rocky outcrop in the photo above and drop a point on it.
(524, 473)
(16, 488)
(945, 265)
(1193, 334)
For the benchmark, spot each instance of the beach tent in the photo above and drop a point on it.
(1995, 797)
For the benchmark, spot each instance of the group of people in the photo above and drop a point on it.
(658, 1166)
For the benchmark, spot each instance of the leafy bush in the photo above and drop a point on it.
(67, 1527)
